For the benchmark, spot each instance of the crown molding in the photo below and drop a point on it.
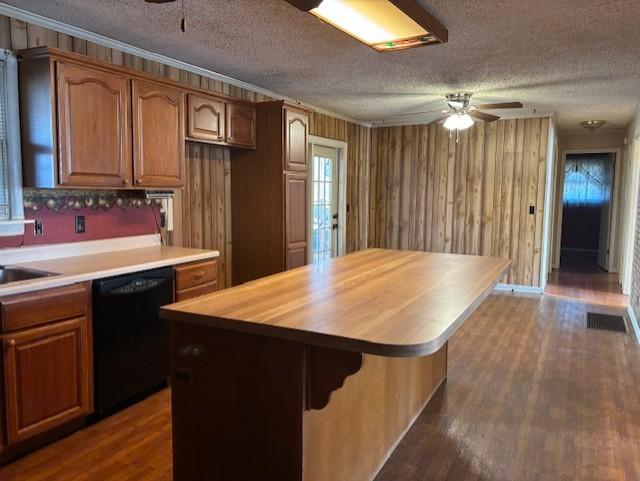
(83, 34)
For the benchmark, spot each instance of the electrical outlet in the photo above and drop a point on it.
(532, 209)
(37, 227)
(80, 225)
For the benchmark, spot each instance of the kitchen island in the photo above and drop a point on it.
(317, 373)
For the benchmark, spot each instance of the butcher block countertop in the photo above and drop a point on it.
(101, 259)
(383, 302)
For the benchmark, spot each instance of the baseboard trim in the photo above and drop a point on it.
(518, 288)
(634, 322)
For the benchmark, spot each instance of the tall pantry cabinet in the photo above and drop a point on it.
(269, 194)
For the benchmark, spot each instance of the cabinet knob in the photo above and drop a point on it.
(12, 342)
(125, 181)
(138, 181)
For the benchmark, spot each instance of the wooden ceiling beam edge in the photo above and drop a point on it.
(422, 17)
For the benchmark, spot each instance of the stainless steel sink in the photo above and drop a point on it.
(15, 274)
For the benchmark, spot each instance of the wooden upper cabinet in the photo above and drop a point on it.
(296, 133)
(158, 135)
(93, 127)
(206, 118)
(296, 219)
(47, 373)
(241, 125)
(86, 123)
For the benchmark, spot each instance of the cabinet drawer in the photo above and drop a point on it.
(196, 291)
(196, 274)
(39, 307)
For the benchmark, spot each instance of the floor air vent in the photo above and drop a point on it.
(606, 322)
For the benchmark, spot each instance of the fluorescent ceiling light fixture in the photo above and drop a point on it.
(458, 122)
(385, 25)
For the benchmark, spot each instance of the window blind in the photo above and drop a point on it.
(5, 210)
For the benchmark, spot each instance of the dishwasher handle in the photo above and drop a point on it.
(137, 286)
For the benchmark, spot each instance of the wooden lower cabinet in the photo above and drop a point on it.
(46, 364)
(296, 222)
(196, 279)
(296, 257)
(47, 378)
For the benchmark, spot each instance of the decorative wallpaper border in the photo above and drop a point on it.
(57, 200)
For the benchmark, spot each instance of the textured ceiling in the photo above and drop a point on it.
(577, 58)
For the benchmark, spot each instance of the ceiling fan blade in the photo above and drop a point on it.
(424, 113)
(504, 105)
(483, 116)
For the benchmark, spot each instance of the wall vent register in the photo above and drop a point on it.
(606, 322)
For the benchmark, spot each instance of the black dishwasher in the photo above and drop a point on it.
(130, 341)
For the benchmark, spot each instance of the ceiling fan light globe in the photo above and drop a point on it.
(465, 122)
(458, 122)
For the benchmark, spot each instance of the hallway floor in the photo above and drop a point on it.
(579, 277)
(532, 395)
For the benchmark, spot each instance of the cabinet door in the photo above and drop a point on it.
(158, 135)
(296, 219)
(296, 132)
(241, 125)
(93, 127)
(47, 375)
(206, 118)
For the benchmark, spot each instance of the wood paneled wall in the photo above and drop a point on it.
(429, 192)
(202, 212)
(358, 169)
(409, 187)
(328, 127)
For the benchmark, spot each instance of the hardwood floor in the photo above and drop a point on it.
(580, 278)
(133, 445)
(531, 395)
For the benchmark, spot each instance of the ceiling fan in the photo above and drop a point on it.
(460, 114)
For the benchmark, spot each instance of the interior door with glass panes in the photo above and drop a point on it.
(324, 203)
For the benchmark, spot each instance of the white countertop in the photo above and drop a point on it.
(84, 261)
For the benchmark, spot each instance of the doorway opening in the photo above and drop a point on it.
(584, 264)
(327, 202)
